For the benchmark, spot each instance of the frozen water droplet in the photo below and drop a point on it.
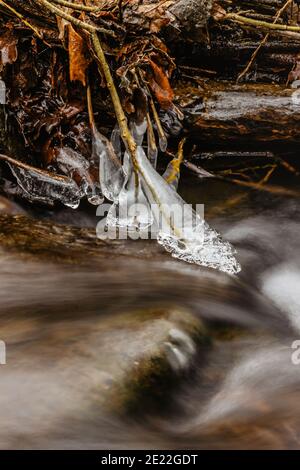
(96, 199)
(74, 205)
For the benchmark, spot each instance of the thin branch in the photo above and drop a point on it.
(159, 127)
(263, 42)
(16, 13)
(79, 23)
(77, 6)
(120, 115)
(279, 190)
(261, 24)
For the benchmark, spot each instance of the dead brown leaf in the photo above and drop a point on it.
(160, 85)
(78, 59)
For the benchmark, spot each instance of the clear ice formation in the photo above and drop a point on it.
(181, 230)
(42, 187)
(71, 163)
(131, 210)
(163, 143)
(138, 131)
(152, 150)
(147, 202)
(111, 172)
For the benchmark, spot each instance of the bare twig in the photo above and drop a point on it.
(120, 115)
(79, 23)
(260, 24)
(278, 190)
(263, 42)
(16, 13)
(77, 6)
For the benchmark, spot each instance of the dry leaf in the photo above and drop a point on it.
(8, 48)
(160, 86)
(77, 57)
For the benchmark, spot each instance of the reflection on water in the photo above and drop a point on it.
(68, 328)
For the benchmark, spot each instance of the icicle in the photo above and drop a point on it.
(72, 163)
(116, 141)
(180, 229)
(108, 155)
(138, 131)
(131, 210)
(152, 148)
(163, 143)
(111, 172)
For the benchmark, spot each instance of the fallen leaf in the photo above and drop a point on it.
(78, 60)
(8, 48)
(160, 85)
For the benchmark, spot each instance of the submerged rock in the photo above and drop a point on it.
(131, 361)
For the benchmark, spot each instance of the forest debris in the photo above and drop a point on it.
(150, 16)
(230, 114)
(21, 17)
(160, 86)
(263, 42)
(8, 48)
(77, 57)
(192, 14)
(259, 186)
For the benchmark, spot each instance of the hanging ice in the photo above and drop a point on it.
(40, 186)
(131, 210)
(110, 168)
(163, 143)
(180, 229)
(147, 200)
(73, 164)
(152, 151)
(116, 142)
(138, 131)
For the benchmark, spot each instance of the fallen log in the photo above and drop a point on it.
(252, 115)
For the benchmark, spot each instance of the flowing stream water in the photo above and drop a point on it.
(68, 329)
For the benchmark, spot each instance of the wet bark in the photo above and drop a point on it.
(226, 114)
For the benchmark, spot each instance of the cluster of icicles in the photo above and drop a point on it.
(142, 199)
